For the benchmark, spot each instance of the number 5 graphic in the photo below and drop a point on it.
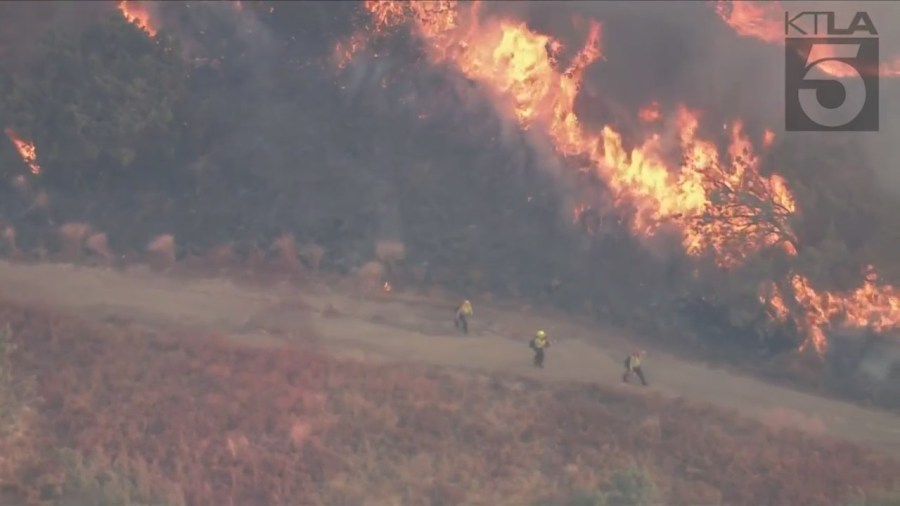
(822, 56)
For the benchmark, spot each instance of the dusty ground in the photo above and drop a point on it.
(397, 326)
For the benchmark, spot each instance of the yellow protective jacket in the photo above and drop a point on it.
(465, 309)
(632, 362)
(539, 343)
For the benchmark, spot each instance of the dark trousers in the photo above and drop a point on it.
(539, 357)
(462, 323)
(636, 370)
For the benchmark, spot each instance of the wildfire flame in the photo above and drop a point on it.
(345, 51)
(768, 138)
(26, 150)
(650, 114)
(387, 287)
(871, 306)
(720, 205)
(138, 16)
(718, 201)
(765, 21)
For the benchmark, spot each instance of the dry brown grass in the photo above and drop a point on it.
(225, 424)
(783, 418)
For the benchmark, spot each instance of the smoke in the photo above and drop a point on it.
(286, 117)
(880, 147)
(669, 52)
(683, 53)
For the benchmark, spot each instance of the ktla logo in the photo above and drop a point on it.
(831, 82)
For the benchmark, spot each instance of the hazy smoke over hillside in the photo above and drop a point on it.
(641, 157)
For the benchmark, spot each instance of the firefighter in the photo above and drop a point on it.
(539, 344)
(633, 366)
(463, 311)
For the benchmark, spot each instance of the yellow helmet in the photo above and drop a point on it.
(541, 334)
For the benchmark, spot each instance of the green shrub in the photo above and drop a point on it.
(633, 486)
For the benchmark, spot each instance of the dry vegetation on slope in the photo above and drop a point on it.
(247, 133)
(197, 420)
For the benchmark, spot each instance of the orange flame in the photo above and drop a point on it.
(345, 51)
(723, 207)
(760, 20)
(578, 212)
(387, 287)
(138, 16)
(717, 200)
(768, 138)
(26, 150)
(765, 21)
(872, 306)
(650, 114)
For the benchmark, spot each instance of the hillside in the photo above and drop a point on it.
(121, 412)
(234, 124)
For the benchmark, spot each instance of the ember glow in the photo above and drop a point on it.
(26, 150)
(768, 138)
(346, 50)
(716, 200)
(650, 113)
(138, 16)
(765, 21)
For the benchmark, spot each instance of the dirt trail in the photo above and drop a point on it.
(419, 329)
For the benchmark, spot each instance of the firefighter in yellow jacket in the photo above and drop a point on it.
(633, 366)
(463, 311)
(539, 344)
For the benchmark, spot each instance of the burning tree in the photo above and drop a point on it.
(721, 205)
